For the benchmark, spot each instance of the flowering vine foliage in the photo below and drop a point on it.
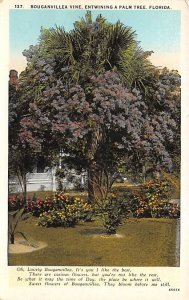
(82, 102)
(21, 156)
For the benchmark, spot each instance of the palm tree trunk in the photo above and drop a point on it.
(12, 238)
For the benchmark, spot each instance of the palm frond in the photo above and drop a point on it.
(29, 241)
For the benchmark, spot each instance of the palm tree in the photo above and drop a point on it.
(91, 49)
(98, 46)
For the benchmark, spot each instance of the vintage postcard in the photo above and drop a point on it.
(94, 166)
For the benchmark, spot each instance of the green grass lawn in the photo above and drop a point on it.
(144, 242)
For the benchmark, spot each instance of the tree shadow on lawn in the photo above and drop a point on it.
(92, 231)
(95, 232)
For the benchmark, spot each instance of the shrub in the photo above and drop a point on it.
(34, 205)
(113, 211)
(153, 200)
(136, 204)
(15, 202)
(85, 211)
(173, 210)
(66, 211)
(161, 189)
(57, 218)
(59, 202)
(39, 205)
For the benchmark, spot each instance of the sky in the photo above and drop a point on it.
(157, 31)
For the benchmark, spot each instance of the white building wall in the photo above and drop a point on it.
(39, 182)
(35, 182)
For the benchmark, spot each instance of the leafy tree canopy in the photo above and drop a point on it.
(93, 93)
